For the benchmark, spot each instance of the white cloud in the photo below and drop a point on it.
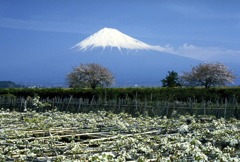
(216, 54)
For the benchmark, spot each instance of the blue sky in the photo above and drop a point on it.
(39, 31)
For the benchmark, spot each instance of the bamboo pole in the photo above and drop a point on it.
(126, 135)
(70, 99)
(166, 107)
(136, 102)
(225, 108)
(79, 104)
(61, 136)
(204, 108)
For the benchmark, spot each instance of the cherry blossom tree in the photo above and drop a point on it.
(90, 75)
(207, 75)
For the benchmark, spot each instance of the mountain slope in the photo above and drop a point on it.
(142, 68)
(109, 37)
(132, 61)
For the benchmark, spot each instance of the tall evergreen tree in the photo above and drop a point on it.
(171, 80)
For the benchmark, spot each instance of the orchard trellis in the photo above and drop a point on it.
(220, 108)
(97, 129)
(104, 136)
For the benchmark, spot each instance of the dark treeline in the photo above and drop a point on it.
(150, 94)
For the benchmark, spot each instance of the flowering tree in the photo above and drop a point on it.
(207, 75)
(90, 75)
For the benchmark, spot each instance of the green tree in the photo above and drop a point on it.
(90, 75)
(171, 80)
(207, 75)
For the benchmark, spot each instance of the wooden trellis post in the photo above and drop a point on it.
(225, 108)
(204, 108)
(70, 99)
(79, 104)
(136, 102)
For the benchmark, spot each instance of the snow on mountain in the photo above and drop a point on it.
(109, 37)
(130, 60)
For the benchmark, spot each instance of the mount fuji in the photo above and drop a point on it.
(132, 61)
(109, 37)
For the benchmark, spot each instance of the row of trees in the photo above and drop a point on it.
(205, 74)
(10, 84)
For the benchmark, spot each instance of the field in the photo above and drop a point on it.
(105, 136)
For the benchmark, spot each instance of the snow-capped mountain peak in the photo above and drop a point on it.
(109, 37)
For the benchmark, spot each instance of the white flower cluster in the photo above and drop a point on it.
(121, 137)
(38, 104)
(183, 129)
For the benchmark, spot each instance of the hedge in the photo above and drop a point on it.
(197, 94)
